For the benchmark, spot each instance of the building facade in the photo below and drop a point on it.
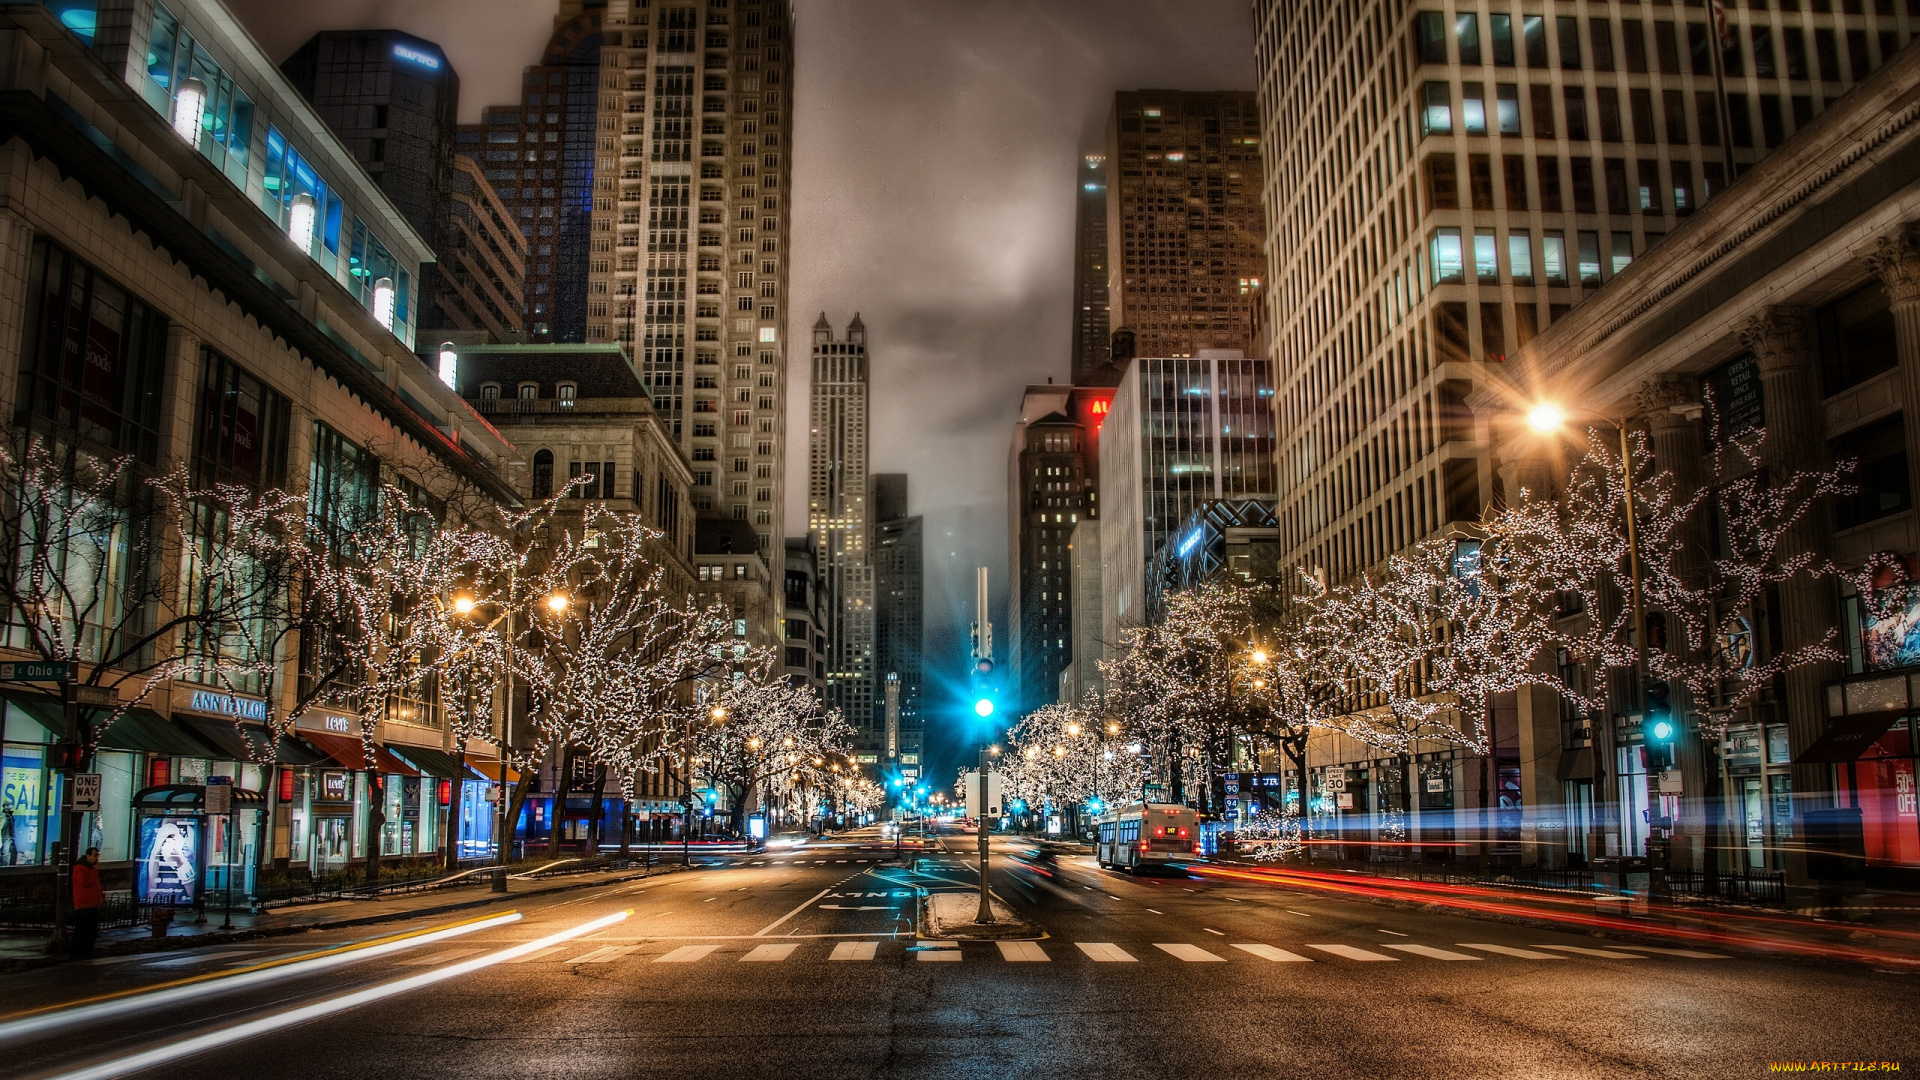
(1185, 227)
(1092, 332)
(648, 163)
(899, 596)
(840, 520)
(245, 296)
(1182, 431)
(1444, 181)
(482, 275)
(804, 649)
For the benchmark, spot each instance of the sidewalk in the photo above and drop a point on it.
(23, 949)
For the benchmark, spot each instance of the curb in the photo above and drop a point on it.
(154, 945)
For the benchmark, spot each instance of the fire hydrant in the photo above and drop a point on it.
(159, 919)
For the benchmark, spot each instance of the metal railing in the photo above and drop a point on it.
(29, 906)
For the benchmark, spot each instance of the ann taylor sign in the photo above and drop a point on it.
(210, 701)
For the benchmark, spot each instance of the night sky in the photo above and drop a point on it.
(934, 169)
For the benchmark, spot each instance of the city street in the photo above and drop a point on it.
(805, 962)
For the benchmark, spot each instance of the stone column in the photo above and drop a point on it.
(1896, 259)
(1782, 343)
(1672, 407)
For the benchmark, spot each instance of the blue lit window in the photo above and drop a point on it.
(225, 122)
(302, 203)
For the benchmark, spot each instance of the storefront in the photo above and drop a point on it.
(329, 801)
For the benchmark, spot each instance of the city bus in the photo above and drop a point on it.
(1148, 834)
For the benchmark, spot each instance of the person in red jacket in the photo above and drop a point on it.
(87, 898)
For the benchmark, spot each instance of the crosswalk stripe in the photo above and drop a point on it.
(1691, 954)
(685, 954)
(1106, 952)
(1020, 952)
(606, 954)
(770, 953)
(438, 958)
(940, 951)
(1432, 953)
(1192, 954)
(548, 951)
(854, 950)
(1600, 953)
(1268, 952)
(1508, 950)
(1349, 952)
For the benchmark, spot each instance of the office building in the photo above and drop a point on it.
(481, 285)
(647, 163)
(1182, 431)
(840, 521)
(1423, 227)
(804, 648)
(1092, 333)
(899, 598)
(1185, 228)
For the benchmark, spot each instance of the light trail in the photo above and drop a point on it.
(1469, 898)
(173, 1051)
(54, 1017)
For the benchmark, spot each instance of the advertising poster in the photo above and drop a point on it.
(168, 871)
(20, 791)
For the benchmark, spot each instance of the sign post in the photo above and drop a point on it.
(220, 803)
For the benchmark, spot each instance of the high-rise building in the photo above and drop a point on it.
(839, 519)
(899, 598)
(1182, 431)
(1092, 344)
(482, 274)
(648, 165)
(1184, 222)
(1444, 181)
(393, 101)
(804, 659)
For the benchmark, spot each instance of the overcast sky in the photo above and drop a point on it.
(934, 171)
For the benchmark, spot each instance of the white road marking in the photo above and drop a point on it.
(685, 954)
(548, 951)
(439, 958)
(1432, 953)
(854, 950)
(1602, 954)
(1211, 930)
(605, 955)
(1021, 952)
(1691, 954)
(1508, 950)
(1350, 953)
(1268, 952)
(941, 951)
(1157, 912)
(1302, 914)
(1395, 933)
(770, 953)
(1105, 952)
(1192, 954)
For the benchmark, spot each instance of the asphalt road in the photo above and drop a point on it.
(805, 965)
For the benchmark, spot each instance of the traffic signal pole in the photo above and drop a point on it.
(983, 707)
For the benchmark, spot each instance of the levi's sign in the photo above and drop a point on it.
(228, 705)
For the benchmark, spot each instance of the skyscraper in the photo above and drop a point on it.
(1422, 227)
(1184, 221)
(1182, 431)
(1051, 488)
(899, 625)
(838, 518)
(648, 164)
(1092, 348)
(392, 99)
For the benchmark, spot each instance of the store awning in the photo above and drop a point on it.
(348, 754)
(299, 753)
(1849, 737)
(428, 760)
(488, 769)
(43, 709)
(176, 798)
(236, 742)
(143, 729)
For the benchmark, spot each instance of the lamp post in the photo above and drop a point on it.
(985, 914)
(1546, 419)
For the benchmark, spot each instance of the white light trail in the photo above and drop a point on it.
(160, 1055)
(199, 988)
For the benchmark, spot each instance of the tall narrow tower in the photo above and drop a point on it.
(839, 519)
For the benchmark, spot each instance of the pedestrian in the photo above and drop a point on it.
(87, 898)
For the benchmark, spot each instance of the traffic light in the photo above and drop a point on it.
(983, 703)
(1659, 729)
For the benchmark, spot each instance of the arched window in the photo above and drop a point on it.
(543, 474)
(490, 392)
(529, 391)
(565, 391)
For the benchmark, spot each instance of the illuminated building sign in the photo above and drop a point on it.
(228, 705)
(424, 59)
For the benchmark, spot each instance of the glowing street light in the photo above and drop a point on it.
(558, 603)
(1546, 417)
(463, 604)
